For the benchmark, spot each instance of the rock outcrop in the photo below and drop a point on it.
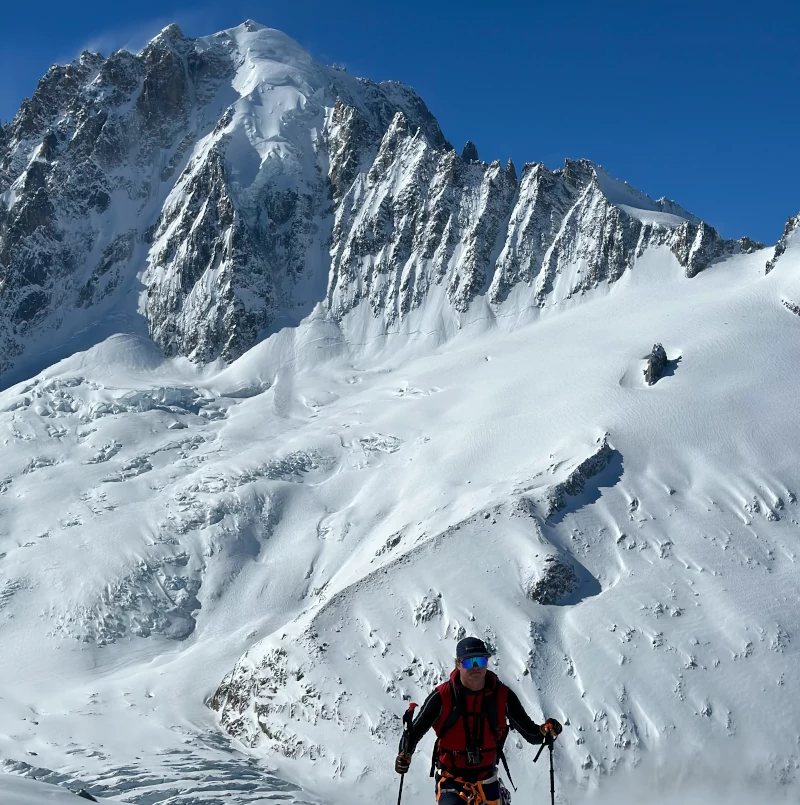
(576, 481)
(557, 580)
(789, 231)
(656, 363)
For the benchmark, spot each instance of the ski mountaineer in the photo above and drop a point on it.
(471, 714)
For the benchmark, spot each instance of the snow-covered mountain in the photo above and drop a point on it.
(190, 184)
(209, 191)
(345, 396)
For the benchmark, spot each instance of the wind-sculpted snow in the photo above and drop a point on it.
(156, 592)
(285, 680)
(306, 562)
(18, 791)
(555, 499)
(612, 579)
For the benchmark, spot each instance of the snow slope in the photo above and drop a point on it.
(18, 791)
(333, 518)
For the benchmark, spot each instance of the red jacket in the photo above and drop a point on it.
(478, 722)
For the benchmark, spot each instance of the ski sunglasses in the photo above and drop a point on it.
(474, 662)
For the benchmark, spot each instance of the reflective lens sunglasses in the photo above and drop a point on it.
(475, 662)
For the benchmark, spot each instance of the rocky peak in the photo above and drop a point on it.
(303, 185)
(57, 91)
(673, 208)
(251, 26)
(349, 137)
(511, 172)
(470, 152)
(392, 140)
(578, 173)
(164, 99)
(170, 37)
(792, 226)
(695, 246)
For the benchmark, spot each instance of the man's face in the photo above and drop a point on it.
(473, 672)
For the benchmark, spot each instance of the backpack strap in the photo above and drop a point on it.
(449, 722)
(493, 715)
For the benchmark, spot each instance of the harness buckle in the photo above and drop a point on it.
(474, 757)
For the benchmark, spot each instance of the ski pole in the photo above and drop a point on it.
(408, 717)
(548, 742)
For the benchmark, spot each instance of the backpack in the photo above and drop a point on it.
(493, 709)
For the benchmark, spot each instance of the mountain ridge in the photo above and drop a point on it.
(321, 194)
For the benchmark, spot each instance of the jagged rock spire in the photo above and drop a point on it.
(511, 172)
(470, 152)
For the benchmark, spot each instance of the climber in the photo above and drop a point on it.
(471, 714)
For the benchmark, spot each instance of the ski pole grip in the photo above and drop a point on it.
(408, 718)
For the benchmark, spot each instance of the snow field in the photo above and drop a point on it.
(326, 492)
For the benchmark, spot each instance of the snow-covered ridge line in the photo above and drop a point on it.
(210, 191)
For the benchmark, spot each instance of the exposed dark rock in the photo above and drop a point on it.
(795, 308)
(84, 140)
(543, 198)
(350, 138)
(164, 99)
(780, 247)
(115, 256)
(470, 152)
(557, 580)
(656, 363)
(696, 246)
(575, 483)
(511, 172)
(180, 154)
(748, 246)
(49, 146)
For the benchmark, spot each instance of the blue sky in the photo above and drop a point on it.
(695, 101)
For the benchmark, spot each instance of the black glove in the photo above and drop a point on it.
(551, 729)
(402, 763)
